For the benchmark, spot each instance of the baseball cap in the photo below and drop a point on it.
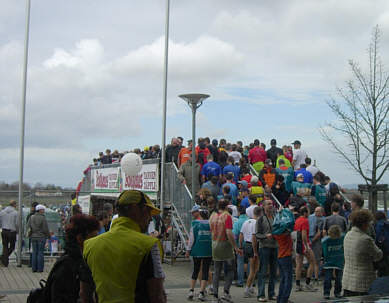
(195, 208)
(39, 207)
(128, 197)
(296, 142)
(243, 182)
(300, 175)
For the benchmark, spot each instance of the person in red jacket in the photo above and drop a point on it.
(202, 152)
(257, 156)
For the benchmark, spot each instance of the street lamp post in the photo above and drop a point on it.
(194, 101)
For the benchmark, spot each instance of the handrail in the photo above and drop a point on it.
(253, 171)
(185, 186)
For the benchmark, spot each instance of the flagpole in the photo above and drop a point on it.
(22, 128)
(164, 107)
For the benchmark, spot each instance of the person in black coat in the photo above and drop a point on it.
(71, 279)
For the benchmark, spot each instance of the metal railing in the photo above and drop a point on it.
(178, 194)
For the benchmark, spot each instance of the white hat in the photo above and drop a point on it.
(39, 207)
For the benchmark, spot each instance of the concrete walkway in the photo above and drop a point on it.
(16, 283)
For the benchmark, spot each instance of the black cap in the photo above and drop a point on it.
(296, 142)
(273, 142)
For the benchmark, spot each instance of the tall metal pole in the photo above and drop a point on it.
(23, 118)
(194, 107)
(165, 73)
(194, 101)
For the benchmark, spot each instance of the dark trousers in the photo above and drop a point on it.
(327, 281)
(267, 257)
(205, 269)
(228, 275)
(8, 239)
(286, 278)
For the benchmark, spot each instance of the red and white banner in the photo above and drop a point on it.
(146, 180)
(106, 179)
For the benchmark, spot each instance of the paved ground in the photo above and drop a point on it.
(16, 282)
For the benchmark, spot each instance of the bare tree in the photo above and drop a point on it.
(362, 113)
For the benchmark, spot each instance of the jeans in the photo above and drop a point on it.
(327, 281)
(38, 247)
(267, 257)
(240, 268)
(286, 275)
(228, 275)
(8, 239)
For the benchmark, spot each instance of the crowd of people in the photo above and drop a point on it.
(241, 191)
(243, 196)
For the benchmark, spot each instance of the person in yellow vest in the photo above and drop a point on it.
(125, 262)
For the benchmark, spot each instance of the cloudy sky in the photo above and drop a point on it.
(95, 75)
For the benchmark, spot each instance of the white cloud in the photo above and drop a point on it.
(95, 79)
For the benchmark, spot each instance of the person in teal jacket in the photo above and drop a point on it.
(333, 253)
(319, 191)
(200, 249)
(236, 231)
(301, 188)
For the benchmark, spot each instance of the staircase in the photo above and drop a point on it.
(178, 201)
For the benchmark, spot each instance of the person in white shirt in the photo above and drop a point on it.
(253, 204)
(312, 169)
(298, 155)
(235, 154)
(246, 235)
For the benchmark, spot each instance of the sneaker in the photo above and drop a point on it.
(309, 287)
(201, 296)
(227, 298)
(247, 293)
(190, 294)
(252, 290)
(299, 288)
(262, 299)
(210, 290)
(326, 297)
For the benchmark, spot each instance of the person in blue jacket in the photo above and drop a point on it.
(200, 249)
(333, 253)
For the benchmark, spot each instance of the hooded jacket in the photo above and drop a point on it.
(9, 219)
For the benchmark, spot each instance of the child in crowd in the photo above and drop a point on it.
(53, 244)
(333, 254)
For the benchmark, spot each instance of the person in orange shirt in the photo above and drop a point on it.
(184, 153)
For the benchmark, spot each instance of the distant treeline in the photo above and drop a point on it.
(26, 186)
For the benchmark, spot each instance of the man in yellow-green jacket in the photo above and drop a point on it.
(125, 262)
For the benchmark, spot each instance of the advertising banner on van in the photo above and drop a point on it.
(84, 202)
(147, 180)
(106, 179)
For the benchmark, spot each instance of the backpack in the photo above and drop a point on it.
(42, 294)
(382, 237)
